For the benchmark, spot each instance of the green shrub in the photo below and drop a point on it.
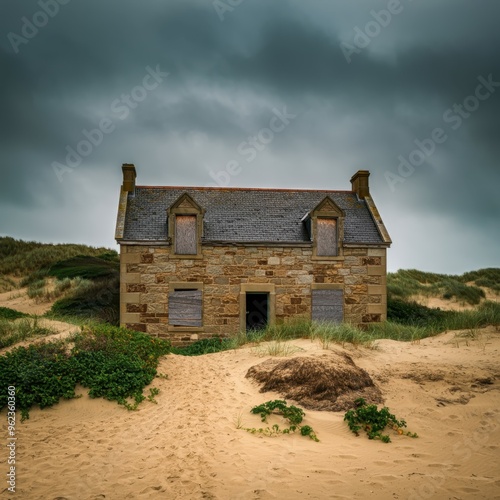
(113, 363)
(292, 413)
(374, 421)
(40, 373)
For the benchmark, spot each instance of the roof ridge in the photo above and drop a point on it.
(216, 188)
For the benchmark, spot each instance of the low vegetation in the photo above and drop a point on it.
(113, 363)
(205, 346)
(408, 322)
(7, 313)
(16, 327)
(373, 421)
(292, 414)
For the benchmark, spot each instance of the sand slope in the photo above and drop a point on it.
(187, 446)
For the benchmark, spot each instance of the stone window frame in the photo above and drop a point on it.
(259, 288)
(187, 285)
(185, 205)
(327, 209)
(329, 286)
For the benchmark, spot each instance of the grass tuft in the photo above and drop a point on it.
(14, 331)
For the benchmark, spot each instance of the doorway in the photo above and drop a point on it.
(257, 310)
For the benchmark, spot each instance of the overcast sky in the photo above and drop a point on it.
(256, 93)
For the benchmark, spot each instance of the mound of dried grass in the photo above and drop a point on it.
(331, 382)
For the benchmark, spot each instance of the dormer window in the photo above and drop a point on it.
(185, 224)
(325, 224)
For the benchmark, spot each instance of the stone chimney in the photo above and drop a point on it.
(129, 176)
(359, 183)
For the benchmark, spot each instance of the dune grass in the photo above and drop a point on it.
(13, 331)
(86, 267)
(406, 283)
(6, 283)
(21, 258)
(86, 287)
(412, 323)
(8, 313)
(98, 300)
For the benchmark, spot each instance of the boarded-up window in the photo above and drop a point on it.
(326, 236)
(185, 308)
(328, 305)
(185, 234)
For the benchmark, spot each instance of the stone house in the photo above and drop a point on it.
(198, 262)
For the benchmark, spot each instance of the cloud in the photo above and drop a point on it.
(224, 80)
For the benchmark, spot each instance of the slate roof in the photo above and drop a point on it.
(246, 215)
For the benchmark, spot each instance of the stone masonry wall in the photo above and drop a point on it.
(147, 270)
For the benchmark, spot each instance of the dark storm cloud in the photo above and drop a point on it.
(226, 77)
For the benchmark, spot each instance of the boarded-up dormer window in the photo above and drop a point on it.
(185, 308)
(185, 234)
(326, 236)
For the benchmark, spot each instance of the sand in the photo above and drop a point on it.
(188, 446)
(19, 300)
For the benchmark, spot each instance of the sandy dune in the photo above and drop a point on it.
(453, 304)
(19, 300)
(188, 447)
